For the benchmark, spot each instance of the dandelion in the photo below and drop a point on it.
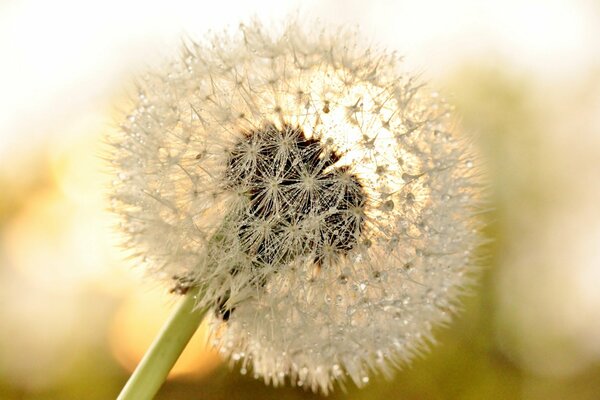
(313, 197)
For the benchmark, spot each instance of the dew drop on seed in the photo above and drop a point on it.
(377, 276)
(336, 370)
(388, 205)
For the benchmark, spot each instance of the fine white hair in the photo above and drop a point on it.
(320, 198)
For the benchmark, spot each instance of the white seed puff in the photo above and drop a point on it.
(318, 197)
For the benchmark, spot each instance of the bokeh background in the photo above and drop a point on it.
(524, 76)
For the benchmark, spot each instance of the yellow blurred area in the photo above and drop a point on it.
(136, 324)
(76, 316)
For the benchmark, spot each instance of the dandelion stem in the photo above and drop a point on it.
(154, 367)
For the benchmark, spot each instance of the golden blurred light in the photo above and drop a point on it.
(58, 271)
(138, 321)
(30, 359)
(62, 235)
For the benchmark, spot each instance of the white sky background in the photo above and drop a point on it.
(63, 59)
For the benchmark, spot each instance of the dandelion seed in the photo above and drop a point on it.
(317, 196)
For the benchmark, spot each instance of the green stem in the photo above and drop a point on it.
(152, 371)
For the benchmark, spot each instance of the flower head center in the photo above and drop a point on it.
(292, 182)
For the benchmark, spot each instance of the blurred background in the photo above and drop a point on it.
(524, 76)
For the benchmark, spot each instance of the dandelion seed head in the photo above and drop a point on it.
(319, 197)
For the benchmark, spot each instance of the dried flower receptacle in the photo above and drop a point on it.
(320, 199)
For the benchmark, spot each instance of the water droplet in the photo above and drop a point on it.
(388, 205)
(365, 379)
(303, 373)
(469, 163)
(336, 370)
(377, 276)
